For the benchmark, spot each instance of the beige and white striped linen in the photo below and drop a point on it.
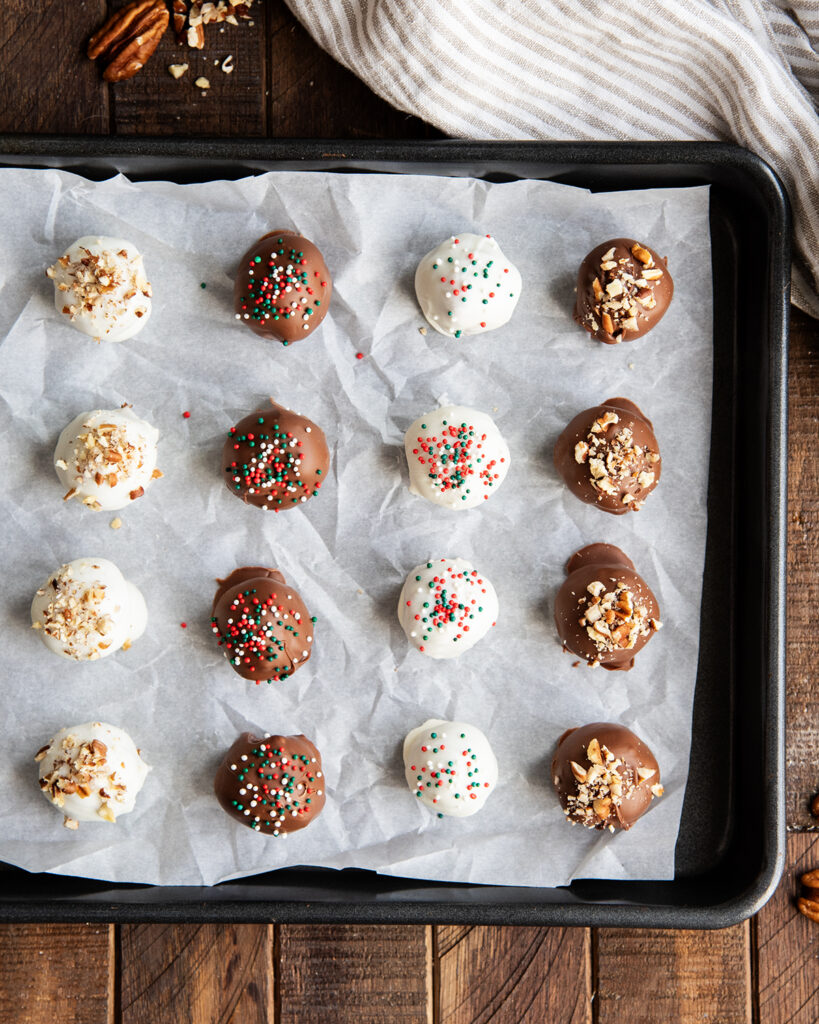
(731, 70)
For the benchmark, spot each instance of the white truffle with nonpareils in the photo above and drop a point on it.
(450, 767)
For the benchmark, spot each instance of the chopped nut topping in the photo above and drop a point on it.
(602, 787)
(74, 615)
(100, 280)
(617, 465)
(623, 292)
(106, 453)
(612, 619)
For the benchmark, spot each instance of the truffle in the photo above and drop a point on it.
(450, 767)
(262, 623)
(100, 286)
(604, 612)
(446, 607)
(609, 456)
(88, 610)
(275, 459)
(457, 457)
(283, 287)
(274, 784)
(605, 776)
(91, 772)
(623, 290)
(106, 458)
(466, 285)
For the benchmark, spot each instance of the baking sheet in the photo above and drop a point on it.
(348, 550)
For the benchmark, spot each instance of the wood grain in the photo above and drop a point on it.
(509, 975)
(646, 976)
(54, 973)
(196, 974)
(377, 974)
(788, 945)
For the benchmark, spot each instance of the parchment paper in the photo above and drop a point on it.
(348, 550)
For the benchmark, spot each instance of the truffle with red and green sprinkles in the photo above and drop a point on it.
(457, 457)
(446, 607)
(272, 784)
(450, 767)
(283, 287)
(467, 286)
(262, 624)
(275, 459)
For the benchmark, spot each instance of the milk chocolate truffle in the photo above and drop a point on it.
(605, 776)
(466, 286)
(283, 287)
(274, 784)
(91, 772)
(450, 767)
(87, 610)
(275, 459)
(107, 458)
(262, 623)
(604, 612)
(457, 457)
(623, 290)
(101, 288)
(609, 456)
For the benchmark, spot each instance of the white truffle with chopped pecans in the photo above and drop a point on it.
(87, 610)
(91, 772)
(106, 458)
(101, 288)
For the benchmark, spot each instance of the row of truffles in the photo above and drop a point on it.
(604, 775)
(282, 288)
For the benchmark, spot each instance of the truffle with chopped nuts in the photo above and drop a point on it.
(604, 612)
(101, 288)
(262, 624)
(87, 610)
(605, 776)
(623, 290)
(283, 287)
(609, 456)
(273, 784)
(275, 459)
(91, 772)
(450, 767)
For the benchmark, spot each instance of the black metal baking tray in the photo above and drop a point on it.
(730, 852)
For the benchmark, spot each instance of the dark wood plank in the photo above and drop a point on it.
(55, 972)
(196, 974)
(787, 945)
(48, 84)
(699, 977)
(509, 975)
(803, 571)
(332, 974)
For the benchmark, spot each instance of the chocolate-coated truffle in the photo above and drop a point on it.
(262, 623)
(273, 785)
(275, 459)
(609, 456)
(604, 612)
(283, 287)
(623, 290)
(605, 776)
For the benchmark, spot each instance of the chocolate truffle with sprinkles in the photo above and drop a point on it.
(272, 784)
(262, 624)
(282, 287)
(450, 767)
(446, 607)
(456, 457)
(275, 459)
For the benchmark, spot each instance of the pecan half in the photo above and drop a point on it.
(128, 38)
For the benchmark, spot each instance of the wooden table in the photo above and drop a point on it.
(765, 970)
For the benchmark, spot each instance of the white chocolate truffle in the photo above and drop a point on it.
(100, 286)
(88, 610)
(467, 286)
(457, 457)
(450, 767)
(106, 458)
(446, 607)
(91, 772)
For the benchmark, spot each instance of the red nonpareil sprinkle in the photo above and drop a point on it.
(184, 625)
(359, 355)
(186, 415)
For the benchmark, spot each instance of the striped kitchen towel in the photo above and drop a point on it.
(730, 70)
